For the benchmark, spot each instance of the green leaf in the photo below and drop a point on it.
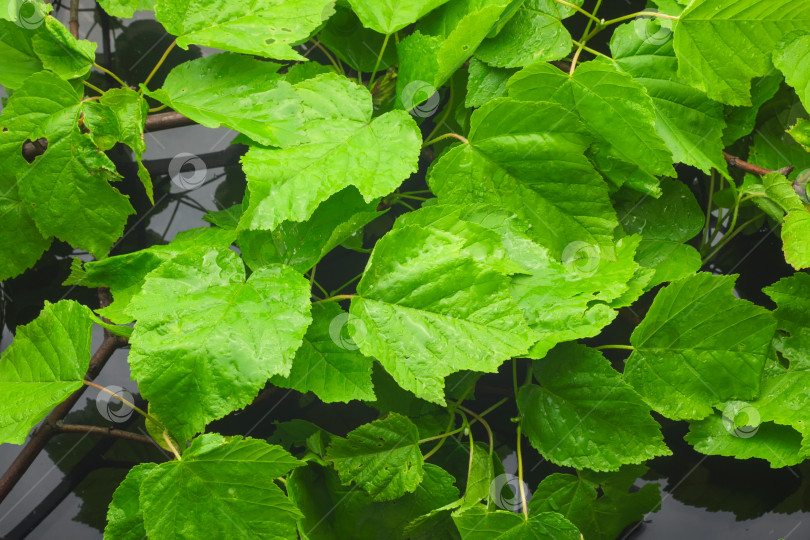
(688, 122)
(665, 224)
(328, 363)
(268, 28)
(485, 83)
(119, 116)
(615, 108)
(792, 295)
(599, 505)
(125, 9)
(801, 133)
(441, 44)
(389, 16)
(509, 142)
(239, 92)
(531, 35)
(336, 512)
(722, 44)
(44, 365)
(572, 418)
(740, 121)
(429, 306)
(66, 189)
(124, 274)
(718, 435)
(60, 52)
(795, 232)
(124, 515)
(223, 487)
(355, 45)
(477, 523)
(344, 147)
(699, 346)
(790, 56)
(206, 340)
(302, 244)
(382, 457)
(27, 14)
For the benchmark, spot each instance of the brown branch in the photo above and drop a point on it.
(734, 161)
(59, 427)
(154, 122)
(46, 430)
(74, 18)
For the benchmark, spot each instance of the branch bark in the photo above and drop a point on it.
(59, 427)
(734, 161)
(47, 429)
(74, 18)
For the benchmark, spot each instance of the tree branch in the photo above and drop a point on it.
(753, 169)
(46, 430)
(59, 427)
(74, 18)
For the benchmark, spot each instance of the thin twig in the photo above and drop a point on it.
(74, 18)
(97, 430)
(734, 161)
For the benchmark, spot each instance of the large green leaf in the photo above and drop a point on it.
(614, 107)
(441, 44)
(795, 231)
(665, 224)
(723, 44)
(485, 83)
(355, 45)
(792, 296)
(584, 416)
(19, 58)
(126, 8)
(328, 363)
(699, 346)
(382, 457)
(429, 306)
(598, 504)
(388, 16)
(223, 487)
(268, 28)
(66, 189)
(302, 244)
(44, 364)
(206, 340)
(60, 52)
(336, 512)
(344, 147)
(533, 34)
(478, 523)
(124, 274)
(689, 123)
(529, 158)
(238, 92)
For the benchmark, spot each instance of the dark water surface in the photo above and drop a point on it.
(66, 491)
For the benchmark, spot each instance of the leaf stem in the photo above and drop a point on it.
(577, 8)
(158, 108)
(124, 401)
(640, 14)
(170, 445)
(331, 58)
(586, 36)
(622, 347)
(708, 210)
(94, 88)
(377, 63)
(355, 278)
(111, 74)
(336, 298)
(444, 116)
(592, 51)
(728, 237)
(523, 504)
(159, 63)
(446, 136)
(483, 423)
